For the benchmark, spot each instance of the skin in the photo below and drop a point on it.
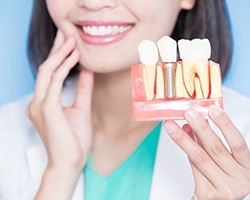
(103, 125)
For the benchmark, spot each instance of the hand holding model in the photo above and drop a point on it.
(65, 131)
(219, 173)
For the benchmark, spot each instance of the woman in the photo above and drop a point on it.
(89, 128)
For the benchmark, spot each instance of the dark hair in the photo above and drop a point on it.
(208, 19)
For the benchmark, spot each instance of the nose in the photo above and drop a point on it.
(97, 4)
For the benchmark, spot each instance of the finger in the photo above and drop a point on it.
(84, 90)
(200, 180)
(211, 142)
(58, 78)
(190, 132)
(235, 140)
(46, 70)
(58, 42)
(202, 184)
(195, 153)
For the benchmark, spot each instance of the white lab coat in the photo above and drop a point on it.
(23, 157)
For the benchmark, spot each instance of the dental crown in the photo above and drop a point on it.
(168, 49)
(195, 49)
(148, 52)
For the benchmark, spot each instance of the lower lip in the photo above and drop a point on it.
(102, 40)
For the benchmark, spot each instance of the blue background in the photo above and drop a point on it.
(16, 79)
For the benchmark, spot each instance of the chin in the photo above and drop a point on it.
(106, 67)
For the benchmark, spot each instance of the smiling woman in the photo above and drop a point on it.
(77, 129)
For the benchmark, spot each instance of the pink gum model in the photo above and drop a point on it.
(156, 110)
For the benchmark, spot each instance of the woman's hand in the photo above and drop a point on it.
(219, 174)
(65, 131)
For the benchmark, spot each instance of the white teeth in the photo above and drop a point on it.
(108, 30)
(115, 30)
(195, 49)
(104, 30)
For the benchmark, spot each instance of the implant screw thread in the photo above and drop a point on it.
(169, 79)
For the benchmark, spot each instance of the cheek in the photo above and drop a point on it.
(157, 17)
(57, 10)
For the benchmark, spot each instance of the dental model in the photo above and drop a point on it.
(165, 90)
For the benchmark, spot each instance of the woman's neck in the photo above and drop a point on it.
(115, 134)
(112, 99)
(112, 102)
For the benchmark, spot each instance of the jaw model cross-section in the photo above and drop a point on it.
(166, 89)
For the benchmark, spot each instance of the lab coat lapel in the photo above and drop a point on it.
(37, 160)
(172, 176)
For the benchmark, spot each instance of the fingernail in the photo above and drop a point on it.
(187, 128)
(215, 110)
(170, 127)
(191, 114)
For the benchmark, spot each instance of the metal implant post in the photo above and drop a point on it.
(169, 79)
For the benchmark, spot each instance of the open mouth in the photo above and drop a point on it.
(103, 33)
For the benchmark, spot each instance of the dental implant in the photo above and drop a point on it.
(168, 52)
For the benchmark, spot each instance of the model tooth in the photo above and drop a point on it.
(149, 57)
(148, 52)
(195, 55)
(181, 91)
(168, 49)
(215, 79)
(195, 49)
(159, 83)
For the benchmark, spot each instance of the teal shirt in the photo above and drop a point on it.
(131, 180)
